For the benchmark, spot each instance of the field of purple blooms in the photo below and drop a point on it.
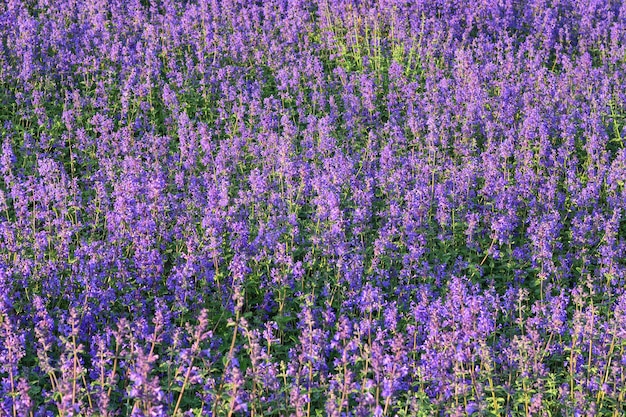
(310, 208)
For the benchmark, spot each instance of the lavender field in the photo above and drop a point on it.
(312, 208)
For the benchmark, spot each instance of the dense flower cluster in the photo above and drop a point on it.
(328, 207)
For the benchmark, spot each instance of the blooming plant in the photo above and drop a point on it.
(303, 208)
